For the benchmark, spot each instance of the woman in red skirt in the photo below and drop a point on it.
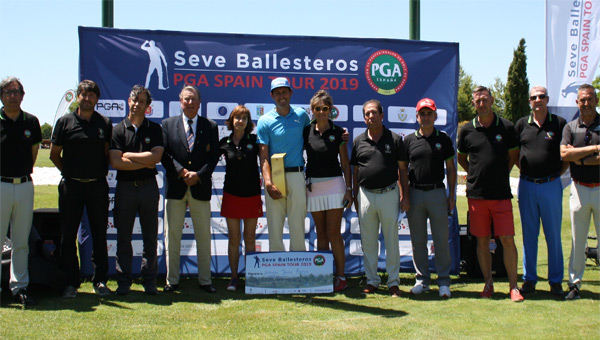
(241, 191)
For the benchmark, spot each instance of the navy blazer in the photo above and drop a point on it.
(202, 159)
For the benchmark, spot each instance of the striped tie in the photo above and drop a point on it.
(190, 134)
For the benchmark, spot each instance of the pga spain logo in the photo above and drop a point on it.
(386, 72)
(319, 260)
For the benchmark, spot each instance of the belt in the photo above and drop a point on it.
(84, 180)
(589, 185)
(427, 187)
(294, 169)
(140, 182)
(540, 180)
(382, 190)
(16, 180)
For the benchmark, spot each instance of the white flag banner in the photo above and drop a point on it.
(572, 51)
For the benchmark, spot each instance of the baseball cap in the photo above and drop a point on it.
(279, 82)
(426, 102)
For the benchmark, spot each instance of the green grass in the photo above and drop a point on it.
(43, 159)
(193, 314)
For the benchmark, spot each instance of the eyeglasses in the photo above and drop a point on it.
(588, 136)
(12, 93)
(321, 109)
(541, 96)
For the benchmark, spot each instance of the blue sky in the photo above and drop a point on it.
(40, 42)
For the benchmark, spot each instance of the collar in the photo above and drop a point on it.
(596, 121)
(128, 123)
(4, 117)
(313, 125)
(436, 132)
(185, 119)
(476, 123)
(230, 138)
(548, 119)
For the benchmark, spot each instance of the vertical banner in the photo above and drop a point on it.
(572, 51)
(232, 69)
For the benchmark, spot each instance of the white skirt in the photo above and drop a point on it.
(327, 193)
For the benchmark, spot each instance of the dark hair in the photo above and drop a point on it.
(482, 88)
(373, 101)
(88, 86)
(321, 96)
(584, 87)
(237, 111)
(7, 81)
(139, 89)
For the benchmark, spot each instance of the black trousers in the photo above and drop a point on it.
(73, 196)
(136, 198)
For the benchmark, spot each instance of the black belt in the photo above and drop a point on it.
(294, 169)
(84, 180)
(382, 190)
(139, 182)
(16, 180)
(427, 187)
(540, 180)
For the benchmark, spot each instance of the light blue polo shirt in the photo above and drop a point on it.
(284, 134)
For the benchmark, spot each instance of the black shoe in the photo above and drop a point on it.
(573, 293)
(150, 290)
(21, 297)
(171, 288)
(123, 290)
(208, 288)
(527, 287)
(556, 289)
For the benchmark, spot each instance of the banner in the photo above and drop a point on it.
(232, 69)
(572, 51)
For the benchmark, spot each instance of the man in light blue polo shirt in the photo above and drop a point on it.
(280, 131)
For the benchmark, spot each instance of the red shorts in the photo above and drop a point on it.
(483, 212)
(241, 207)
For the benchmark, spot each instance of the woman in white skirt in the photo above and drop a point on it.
(328, 192)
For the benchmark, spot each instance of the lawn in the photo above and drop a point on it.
(193, 314)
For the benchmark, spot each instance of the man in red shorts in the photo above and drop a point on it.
(487, 150)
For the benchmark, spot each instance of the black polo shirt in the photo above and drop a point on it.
(241, 170)
(488, 148)
(322, 151)
(427, 155)
(82, 142)
(17, 137)
(540, 146)
(574, 134)
(377, 162)
(126, 139)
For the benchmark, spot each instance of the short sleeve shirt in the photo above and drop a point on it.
(17, 138)
(322, 151)
(488, 148)
(241, 170)
(377, 162)
(283, 134)
(83, 145)
(427, 155)
(540, 146)
(575, 133)
(125, 138)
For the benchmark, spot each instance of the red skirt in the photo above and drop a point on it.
(241, 207)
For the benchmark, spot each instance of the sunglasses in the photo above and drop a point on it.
(588, 137)
(541, 96)
(320, 109)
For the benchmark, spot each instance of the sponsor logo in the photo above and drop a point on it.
(402, 115)
(260, 110)
(111, 107)
(319, 260)
(155, 110)
(550, 135)
(69, 96)
(438, 146)
(332, 138)
(27, 134)
(249, 147)
(335, 113)
(386, 72)
(388, 148)
(147, 140)
(222, 111)
(100, 132)
(498, 138)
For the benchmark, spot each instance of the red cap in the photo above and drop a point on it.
(426, 102)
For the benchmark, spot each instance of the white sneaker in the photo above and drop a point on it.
(419, 288)
(445, 291)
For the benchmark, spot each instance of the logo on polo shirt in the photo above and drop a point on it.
(386, 72)
(319, 260)
(249, 147)
(332, 138)
(388, 148)
(498, 138)
(549, 135)
(438, 146)
(147, 140)
(100, 132)
(27, 134)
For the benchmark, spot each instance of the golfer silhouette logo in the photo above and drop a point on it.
(157, 62)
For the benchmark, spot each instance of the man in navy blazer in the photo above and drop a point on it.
(191, 154)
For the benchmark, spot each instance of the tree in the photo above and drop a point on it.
(596, 84)
(46, 131)
(466, 111)
(498, 92)
(517, 86)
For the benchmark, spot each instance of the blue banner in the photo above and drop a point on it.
(232, 69)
